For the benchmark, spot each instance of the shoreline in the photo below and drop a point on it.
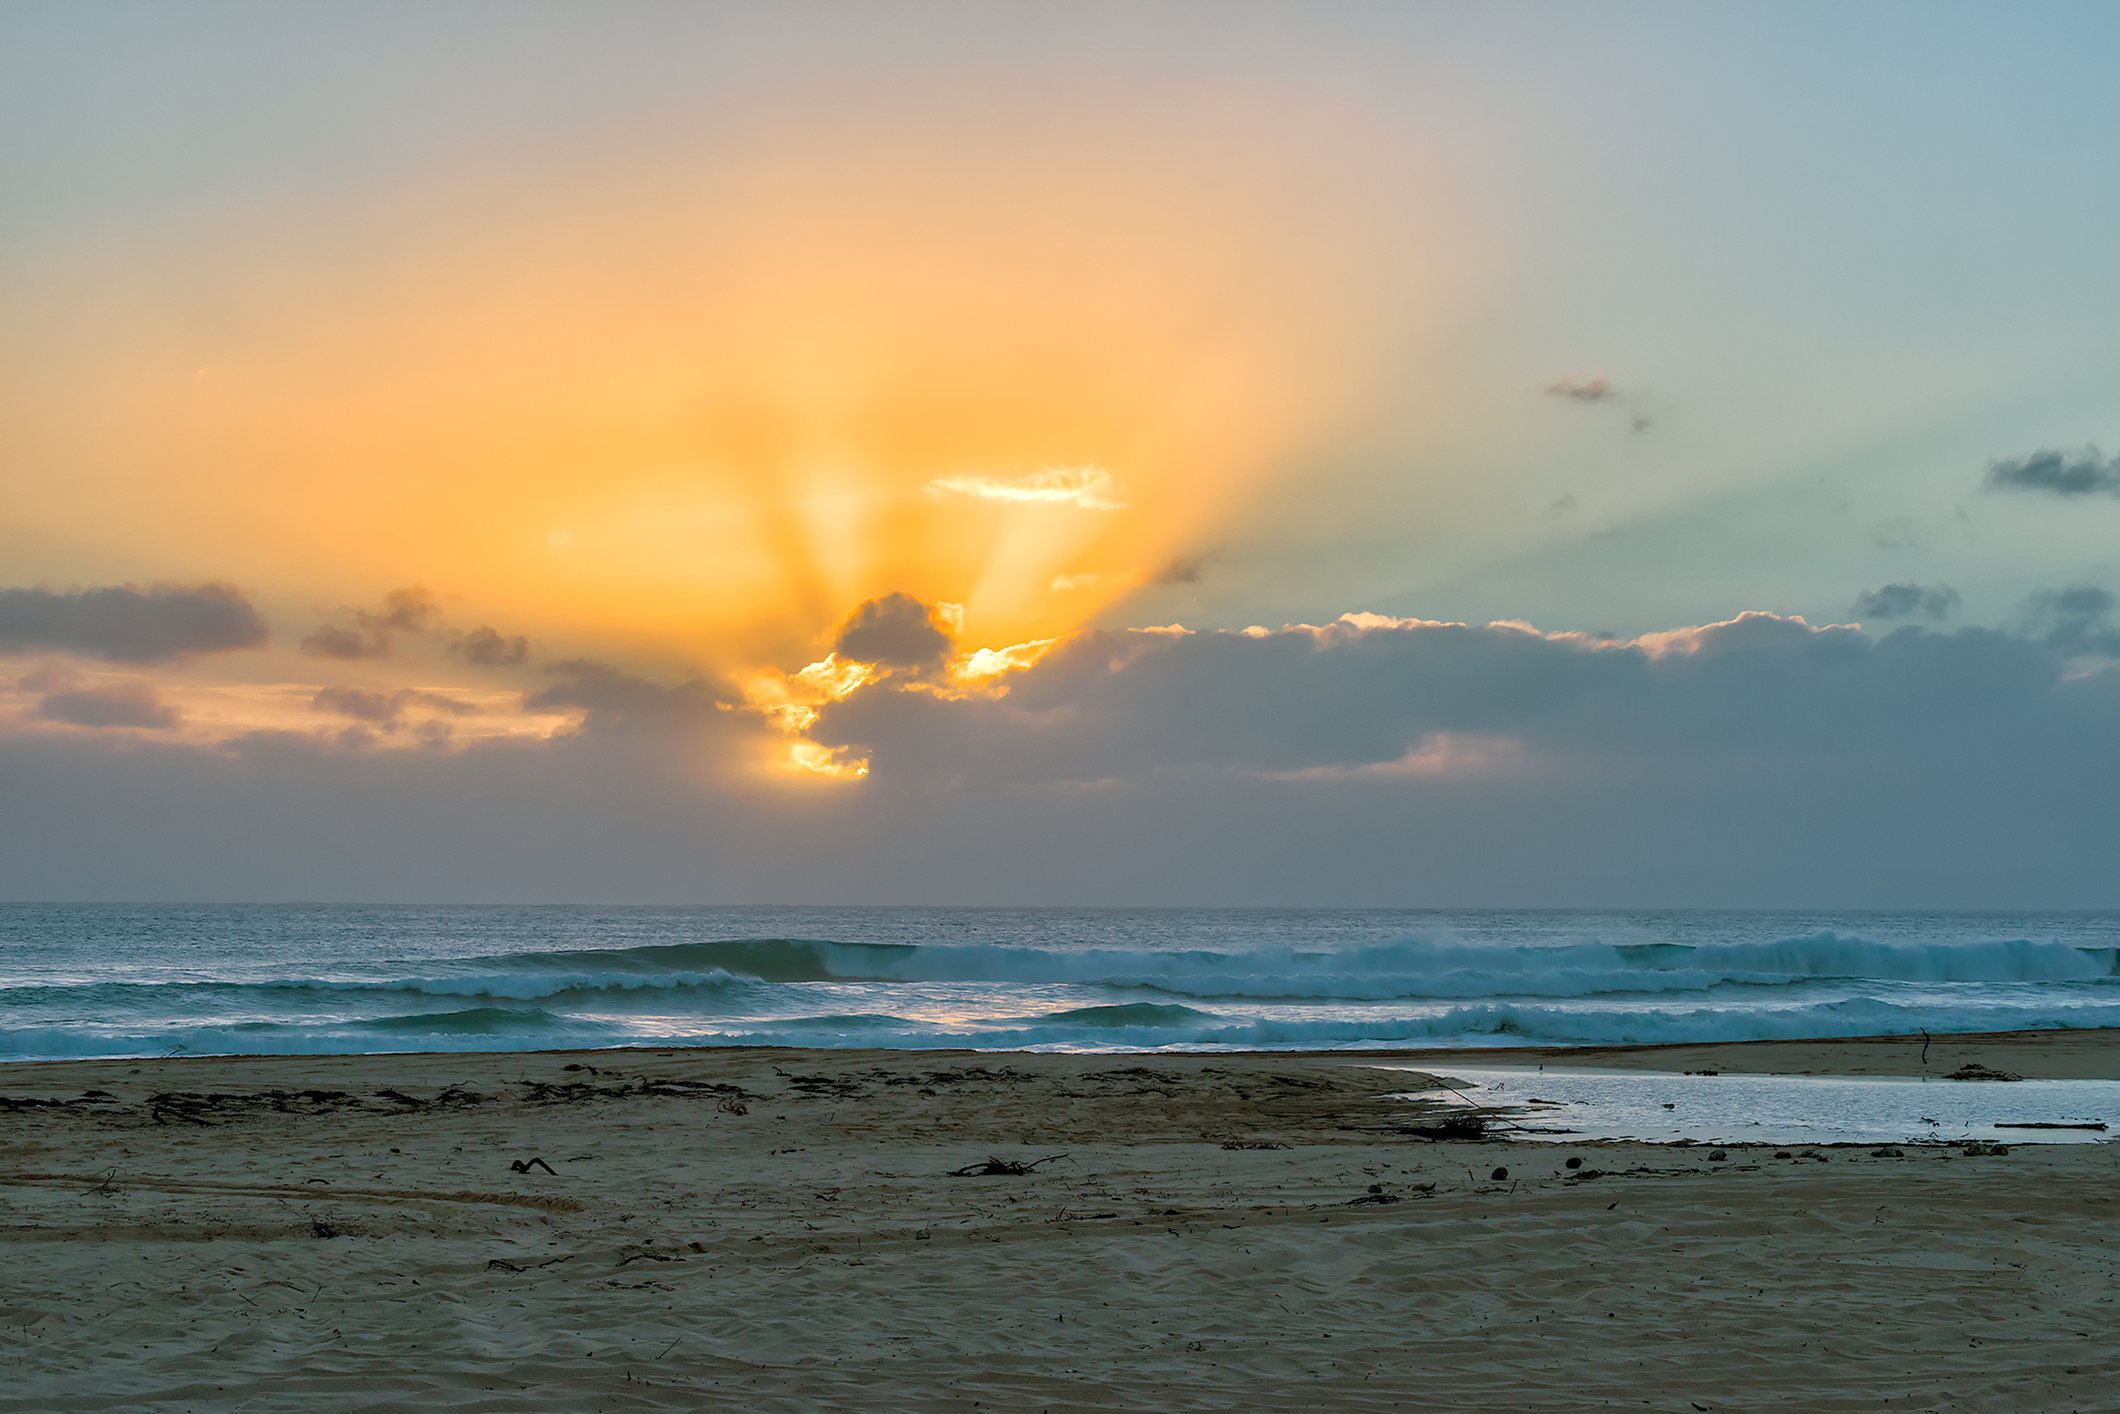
(770, 1229)
(2090, 1053)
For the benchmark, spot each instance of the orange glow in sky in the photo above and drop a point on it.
(695, 415)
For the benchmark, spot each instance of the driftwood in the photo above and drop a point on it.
(1470, 1125)
(2041, 1125)
(1002, 1168)
(525, 1165)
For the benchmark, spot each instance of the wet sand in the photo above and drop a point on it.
(782, 1230)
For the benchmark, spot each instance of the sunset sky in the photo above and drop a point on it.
(1632, 454)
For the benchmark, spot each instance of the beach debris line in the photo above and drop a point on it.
(11, 1103)
(1974, 1070)
(1471, 1124)
(993, 1167)
(580, 1092)
(504, 1265)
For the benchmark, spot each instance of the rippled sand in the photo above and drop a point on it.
(782, 1230)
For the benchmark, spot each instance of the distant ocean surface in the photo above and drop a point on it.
(82, 980)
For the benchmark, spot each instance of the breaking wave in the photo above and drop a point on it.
(821, 993)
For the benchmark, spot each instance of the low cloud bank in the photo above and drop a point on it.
(1759, 761)
(1368, 692)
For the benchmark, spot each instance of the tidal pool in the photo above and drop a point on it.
(1565, 1104)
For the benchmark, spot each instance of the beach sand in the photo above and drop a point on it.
(781, 1230)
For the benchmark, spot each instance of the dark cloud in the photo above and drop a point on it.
(485, 647)
(131, 704)
(408, 610)
(387, 708)
(2076, 621)
(1180, 571)
(127, 624)
(613, 698)
(1906, 601)
(2067, 474)
(1375, 695)
(896, 631)
(1754, 763)
(366, 633)
(353, 702)
(346, 641)
(369, 633)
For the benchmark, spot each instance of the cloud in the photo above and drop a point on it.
(1600, 389)
(1906, 601)
(612, 698)
(1088, 488)
(1756, 762)
(368, 633)
(1367, 692)
(486, 648)
(386, 709)
(896, 631)
(1185, 570)
(411, 610)
(346, 642)
(129, 704)
(2066, 474)
(127, 624)
(1584, 390)
(2076, 621)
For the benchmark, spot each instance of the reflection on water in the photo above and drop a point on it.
(1563, 1104)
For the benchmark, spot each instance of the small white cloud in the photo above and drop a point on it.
(1064, 582)
(1087, 488)
(1439, 754)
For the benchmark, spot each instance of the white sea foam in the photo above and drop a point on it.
(1313, 986)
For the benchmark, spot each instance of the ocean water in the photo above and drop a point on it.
(96, 980)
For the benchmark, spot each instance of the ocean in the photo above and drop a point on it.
(140, 980)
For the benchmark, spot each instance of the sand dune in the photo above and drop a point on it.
(782, 1231)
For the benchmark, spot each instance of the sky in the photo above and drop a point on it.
(1537, 455)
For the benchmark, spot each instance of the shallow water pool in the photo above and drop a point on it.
(1566, 1104)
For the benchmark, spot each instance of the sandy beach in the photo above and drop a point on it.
(789, 1230)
